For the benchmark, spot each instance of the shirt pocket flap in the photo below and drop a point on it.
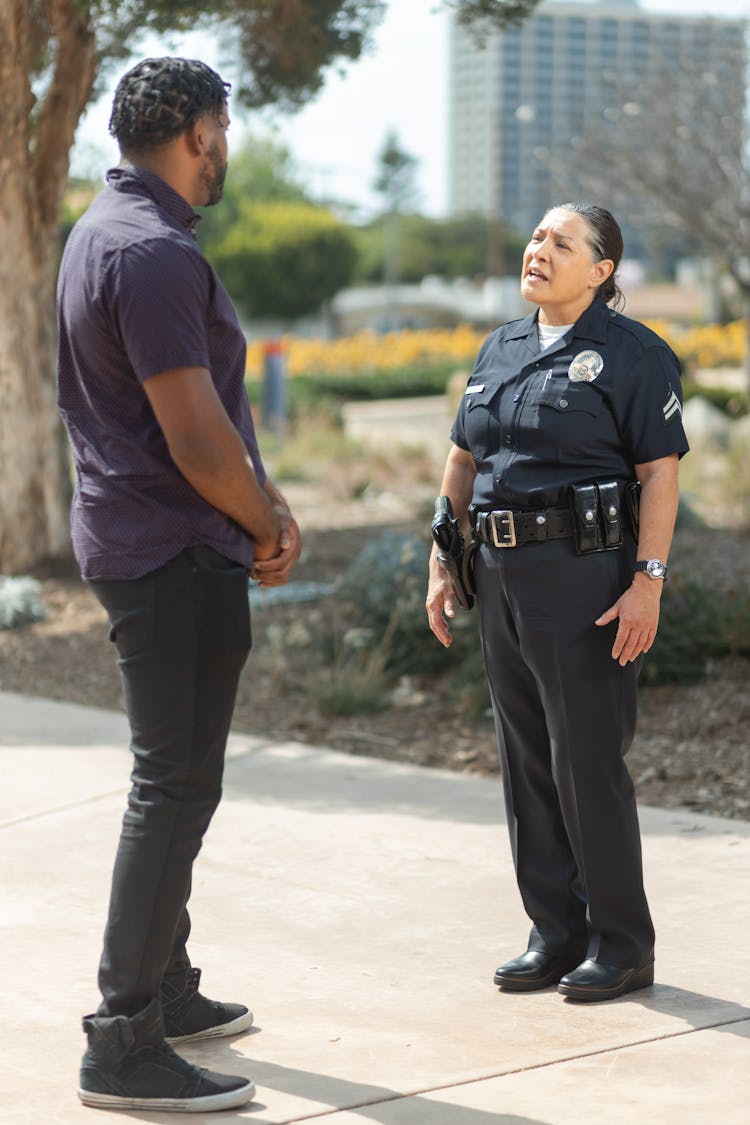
(480, 394)
(570, 397)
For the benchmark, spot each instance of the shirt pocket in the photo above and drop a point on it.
(569, 416)
(482, 420)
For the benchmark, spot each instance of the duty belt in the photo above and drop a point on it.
(505, 527)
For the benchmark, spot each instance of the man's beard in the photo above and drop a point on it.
(213, 173)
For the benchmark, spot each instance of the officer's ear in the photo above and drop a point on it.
(600, 271)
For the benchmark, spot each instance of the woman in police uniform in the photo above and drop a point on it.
(562, 412)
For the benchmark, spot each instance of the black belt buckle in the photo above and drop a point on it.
(505, 534)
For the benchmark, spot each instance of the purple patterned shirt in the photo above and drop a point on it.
(136, 297)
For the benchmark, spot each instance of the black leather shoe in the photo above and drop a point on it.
(592, 981)
(533, 970)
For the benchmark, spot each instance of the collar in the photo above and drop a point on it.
(592, 323)
(140, 181)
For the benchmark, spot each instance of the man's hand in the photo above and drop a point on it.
(440, 603)
(275, 571)
(638, 611)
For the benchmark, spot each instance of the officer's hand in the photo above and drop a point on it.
(276, 571)
(638, 611)
(440, 603)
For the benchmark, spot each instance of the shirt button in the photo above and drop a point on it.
(563, 403)
(516, 398)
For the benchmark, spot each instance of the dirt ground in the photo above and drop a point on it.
(693, 743)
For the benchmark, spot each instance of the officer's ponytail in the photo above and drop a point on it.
(605, 242)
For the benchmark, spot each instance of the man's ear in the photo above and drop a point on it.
(195, 138)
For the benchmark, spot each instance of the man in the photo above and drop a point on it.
(172, 509)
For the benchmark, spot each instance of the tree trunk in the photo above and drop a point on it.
(33, 173)
(33, 459)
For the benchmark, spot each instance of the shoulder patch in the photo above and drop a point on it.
(671, 407)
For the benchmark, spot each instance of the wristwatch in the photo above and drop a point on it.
(654, 568)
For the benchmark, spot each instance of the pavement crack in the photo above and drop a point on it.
(422, 1092)
(42, 813)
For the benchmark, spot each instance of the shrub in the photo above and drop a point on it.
(698, 624)
(377, 631)
(384, 590)
(705, 345)
(730, 401)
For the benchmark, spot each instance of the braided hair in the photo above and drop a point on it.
(605, 240)
(159, 98)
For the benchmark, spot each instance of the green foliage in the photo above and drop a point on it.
(469, 246)
(485, 16)
(317, 442)
(383, 592)
(382, 595)
(284, 48)
(395, 179)
(283, 260)
(698, 624)
(262, 169)
(327, 392)
(347, 690)
(729, 400)
(737, 476)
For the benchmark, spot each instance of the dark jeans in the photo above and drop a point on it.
(183, 635)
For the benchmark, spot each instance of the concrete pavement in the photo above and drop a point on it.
(361, 907)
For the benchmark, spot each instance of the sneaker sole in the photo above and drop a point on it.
(228, 1100)
(216, 1032)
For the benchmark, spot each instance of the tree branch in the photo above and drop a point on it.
(74, 69)
(16, 95)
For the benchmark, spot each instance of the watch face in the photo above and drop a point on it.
(655, 568)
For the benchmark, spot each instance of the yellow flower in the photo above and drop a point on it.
(706, 345)
(365, 351)
(703, 346)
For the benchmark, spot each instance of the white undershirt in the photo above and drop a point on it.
(549, 334)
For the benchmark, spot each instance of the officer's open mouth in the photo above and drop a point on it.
(536, 274)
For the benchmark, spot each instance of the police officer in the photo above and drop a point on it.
(564, 411)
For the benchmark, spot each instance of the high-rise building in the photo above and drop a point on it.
(532, 89)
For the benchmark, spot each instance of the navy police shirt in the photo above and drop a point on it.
(136, 297)
(602, 399)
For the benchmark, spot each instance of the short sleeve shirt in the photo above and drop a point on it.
(601, 400)
(136, 297)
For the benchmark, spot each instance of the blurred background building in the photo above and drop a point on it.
(519, 103)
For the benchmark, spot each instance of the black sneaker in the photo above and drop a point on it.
(189, 1015)
(128, 1065)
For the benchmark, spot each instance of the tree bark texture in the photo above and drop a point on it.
(37, 137)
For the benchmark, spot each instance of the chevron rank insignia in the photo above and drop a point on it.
(671, 407)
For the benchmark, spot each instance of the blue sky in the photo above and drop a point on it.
(335, 140)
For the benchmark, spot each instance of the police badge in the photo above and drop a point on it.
(585, 367)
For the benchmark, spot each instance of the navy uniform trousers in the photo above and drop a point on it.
(565, 715)
(183, 635)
